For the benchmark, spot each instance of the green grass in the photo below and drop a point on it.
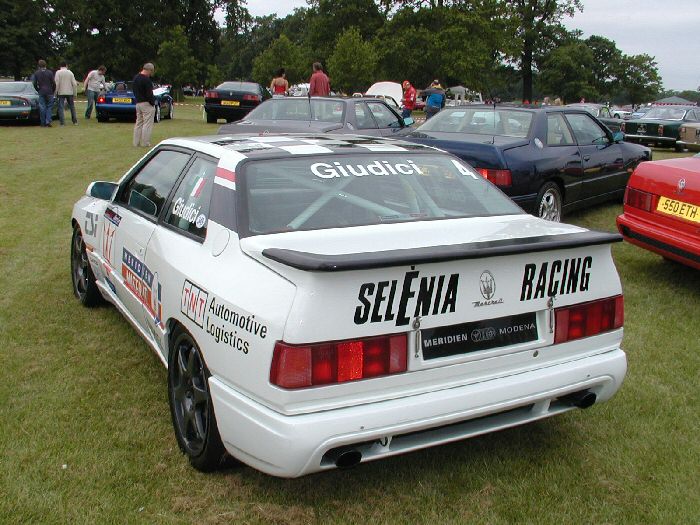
(85, 427)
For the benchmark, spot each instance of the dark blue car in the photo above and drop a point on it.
(119, 103)
(548, 160)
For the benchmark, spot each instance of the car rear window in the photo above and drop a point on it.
(481, 121)
(666, 113)
(13, 87)
(250, 87)
(299, 109)
(311, 193)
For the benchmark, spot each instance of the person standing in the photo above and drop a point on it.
(319, 84)
(409, 99)
(45, 85)
(145, 105)
(435, 99)
(279, 85)
(66, 86)
(93, 84)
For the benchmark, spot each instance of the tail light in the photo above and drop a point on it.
(101, 99)
(498, 177)
(23, 101)
(640, 199)
(587, 319)
(301, 366)
(211, 94)
(255, 98)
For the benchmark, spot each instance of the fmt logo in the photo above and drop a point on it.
(193, 302)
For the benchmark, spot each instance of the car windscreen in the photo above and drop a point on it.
(15, 87)
(312, 193)
(122, 87)
(666, 113)
(481, 121)
(299, 109)
(248, 87)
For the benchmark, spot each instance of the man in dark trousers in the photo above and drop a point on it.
(45, 85)
(434, 99)
(319, 85)
(145, 106)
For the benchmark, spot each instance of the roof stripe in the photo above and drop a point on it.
(305, 149)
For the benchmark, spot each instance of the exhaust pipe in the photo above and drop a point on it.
(582, 399)
(348, 458)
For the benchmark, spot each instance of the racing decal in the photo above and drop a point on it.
(326, 170)
(108, 231)
(415, 296)
(112, 216)
(91, 220)
(189, 212)
(223, 323)
(226, 178)
(143, 284)
(558, 277)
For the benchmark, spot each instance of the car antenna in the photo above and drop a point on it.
(493, 138)
(311, 111)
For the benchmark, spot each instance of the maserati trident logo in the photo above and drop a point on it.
(487, 285)
(681, 185)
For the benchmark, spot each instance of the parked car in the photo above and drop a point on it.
(640, 112)
(662, 209)
(602, 113)
(689, 136)
(549, 160)
(19, 101)
(232, 100)
(660, 126)
(326, 300)
(369, 116)
(621, 113)
(119, 103)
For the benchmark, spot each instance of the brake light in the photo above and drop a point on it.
(301, 366)
(101, 99)
(587, 319)
(211, 94)
(498, 177)
(256, 98)
(639, 199)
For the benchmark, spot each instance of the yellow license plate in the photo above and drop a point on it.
(230, 103)
(5, 103)
(679, 209)
(117, 100)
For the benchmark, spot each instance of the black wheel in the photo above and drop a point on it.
(211, 119)
(548, 204)
(191, 406)
(100, 118)
(156, 116)
(84, 285)
(171, 109)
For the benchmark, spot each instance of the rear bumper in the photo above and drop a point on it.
(229, 112)
(650, 139)
(667, 242)
(692, 146)
(290, 446)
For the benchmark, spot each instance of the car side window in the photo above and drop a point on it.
(189, 208)
(586, 130)
(363, 117)
(383, 115)
(558, 133)
(605, 112)
(147, 190)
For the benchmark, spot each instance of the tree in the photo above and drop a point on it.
(175, 61)
(640, 78)
(352, 66)
(607, 59)
(533, 23)
(282, 53)
(568, 73)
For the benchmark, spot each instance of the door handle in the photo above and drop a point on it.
(586, 157)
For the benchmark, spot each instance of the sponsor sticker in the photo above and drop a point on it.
(558, 277)
(143, 284)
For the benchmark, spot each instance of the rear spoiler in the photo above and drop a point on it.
(315, 262)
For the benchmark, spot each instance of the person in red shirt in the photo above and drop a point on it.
(319, 85)
(409, 99)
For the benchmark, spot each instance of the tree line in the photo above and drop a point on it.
(506, 49)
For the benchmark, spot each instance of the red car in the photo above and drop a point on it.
(662, 209)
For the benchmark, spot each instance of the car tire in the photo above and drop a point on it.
(191, 406)
(156, 116)
(171, 110)
(548, 204)
(84, 285)
(211, 119)
(100, 118)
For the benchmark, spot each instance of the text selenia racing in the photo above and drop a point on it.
(325, 300)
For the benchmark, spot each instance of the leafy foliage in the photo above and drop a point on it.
(282, 53)
(353, 64)
(175, 60)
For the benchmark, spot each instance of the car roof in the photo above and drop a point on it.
(256, 146)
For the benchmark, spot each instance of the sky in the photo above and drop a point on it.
(664, 29)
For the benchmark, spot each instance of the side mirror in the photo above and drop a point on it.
(101, 190)
(618, 136)
(408, 121)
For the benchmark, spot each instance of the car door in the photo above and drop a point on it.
(364, 120)
(174, 252)
(388, 122)
(603, 160)
(130, 221)
(561, 158)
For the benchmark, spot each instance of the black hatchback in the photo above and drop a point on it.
(232, 100)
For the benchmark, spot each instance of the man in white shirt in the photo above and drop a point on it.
(94, 83)
(66, 87)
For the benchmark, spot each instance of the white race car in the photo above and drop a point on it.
(321, 301)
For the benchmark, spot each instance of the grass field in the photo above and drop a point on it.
(85, 428)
